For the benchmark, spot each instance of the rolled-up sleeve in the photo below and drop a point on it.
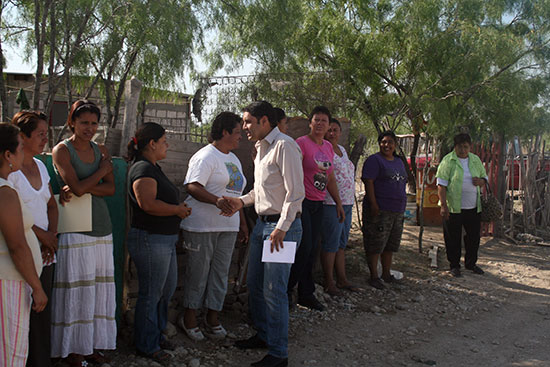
(248, 199)
(290, 163)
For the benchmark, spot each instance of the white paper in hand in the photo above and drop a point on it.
(284, 255)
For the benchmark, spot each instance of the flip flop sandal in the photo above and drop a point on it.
(350, 287)
(98, 358)
(78, 361)
(333, 292)
(214, 332)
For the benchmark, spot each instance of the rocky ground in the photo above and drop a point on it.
(501, 318)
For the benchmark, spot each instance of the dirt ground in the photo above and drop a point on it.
(501, 318)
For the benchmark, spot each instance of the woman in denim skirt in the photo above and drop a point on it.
(156, 216)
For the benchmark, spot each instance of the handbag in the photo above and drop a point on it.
(491, 209)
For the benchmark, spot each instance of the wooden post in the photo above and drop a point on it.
(426, 171)
(511, 178)
(132, 91)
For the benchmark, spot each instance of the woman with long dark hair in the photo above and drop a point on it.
(83, 297)
(156, 216)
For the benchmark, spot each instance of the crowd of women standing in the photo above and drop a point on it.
(63, 284)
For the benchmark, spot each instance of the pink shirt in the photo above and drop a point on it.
(317, 163)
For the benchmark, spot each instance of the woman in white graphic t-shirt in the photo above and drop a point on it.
(214, 172)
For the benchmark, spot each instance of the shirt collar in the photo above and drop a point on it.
(270, 138)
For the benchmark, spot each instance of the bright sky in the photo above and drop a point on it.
(16, 64)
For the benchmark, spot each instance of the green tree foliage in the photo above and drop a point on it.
(419, 65)
(152, 40)
(109, 41)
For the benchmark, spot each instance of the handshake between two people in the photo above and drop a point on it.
(229, 205)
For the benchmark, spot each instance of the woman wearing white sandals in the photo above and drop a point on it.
(214, 172)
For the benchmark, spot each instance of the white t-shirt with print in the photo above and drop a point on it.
(469, 190)
(221, 175)
(344, 172)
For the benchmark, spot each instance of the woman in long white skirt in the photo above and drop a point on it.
(83, 304)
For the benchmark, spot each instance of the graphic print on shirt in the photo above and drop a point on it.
(235, 178)
(320, 178)
(395, 175)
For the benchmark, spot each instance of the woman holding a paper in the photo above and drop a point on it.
(214, 172)
(32, 182)
(156, 216)
(83, 297)
(20, 260)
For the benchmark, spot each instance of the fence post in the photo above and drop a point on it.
(132, 91)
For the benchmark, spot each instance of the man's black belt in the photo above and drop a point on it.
(273, 218)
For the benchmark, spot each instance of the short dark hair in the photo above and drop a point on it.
(462, 138)
(279, 114)
(27, 121)
(81, 106)
(387, 133)
(146, 132)
(8, 137)
(335, 121)
(224, 121)
(320, 110)
(260, 109)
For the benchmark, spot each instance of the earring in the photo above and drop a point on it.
(11, 167)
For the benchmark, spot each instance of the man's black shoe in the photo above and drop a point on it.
(271, 361)
(455, 272)
(254, 342)
(476, 269)
(311, 303)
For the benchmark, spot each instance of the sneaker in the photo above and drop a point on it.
(194, 334)
(455, 272)
(312, 303)
(214, 332)
(254, 342)
(476, 269)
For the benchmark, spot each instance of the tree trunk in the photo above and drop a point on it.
(3, 94)
(426, 172)
(51, 76)
(40, 19)
(357, 150)
(501, 183)
(413, 167)
(108, 100)
(121, 87)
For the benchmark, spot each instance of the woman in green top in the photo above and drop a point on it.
(460, 176)
(83, 300)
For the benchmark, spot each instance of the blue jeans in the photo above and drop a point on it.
(267, 285)
(155, 258)
(335, 234)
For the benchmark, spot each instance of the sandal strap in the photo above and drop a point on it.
(218, 329)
